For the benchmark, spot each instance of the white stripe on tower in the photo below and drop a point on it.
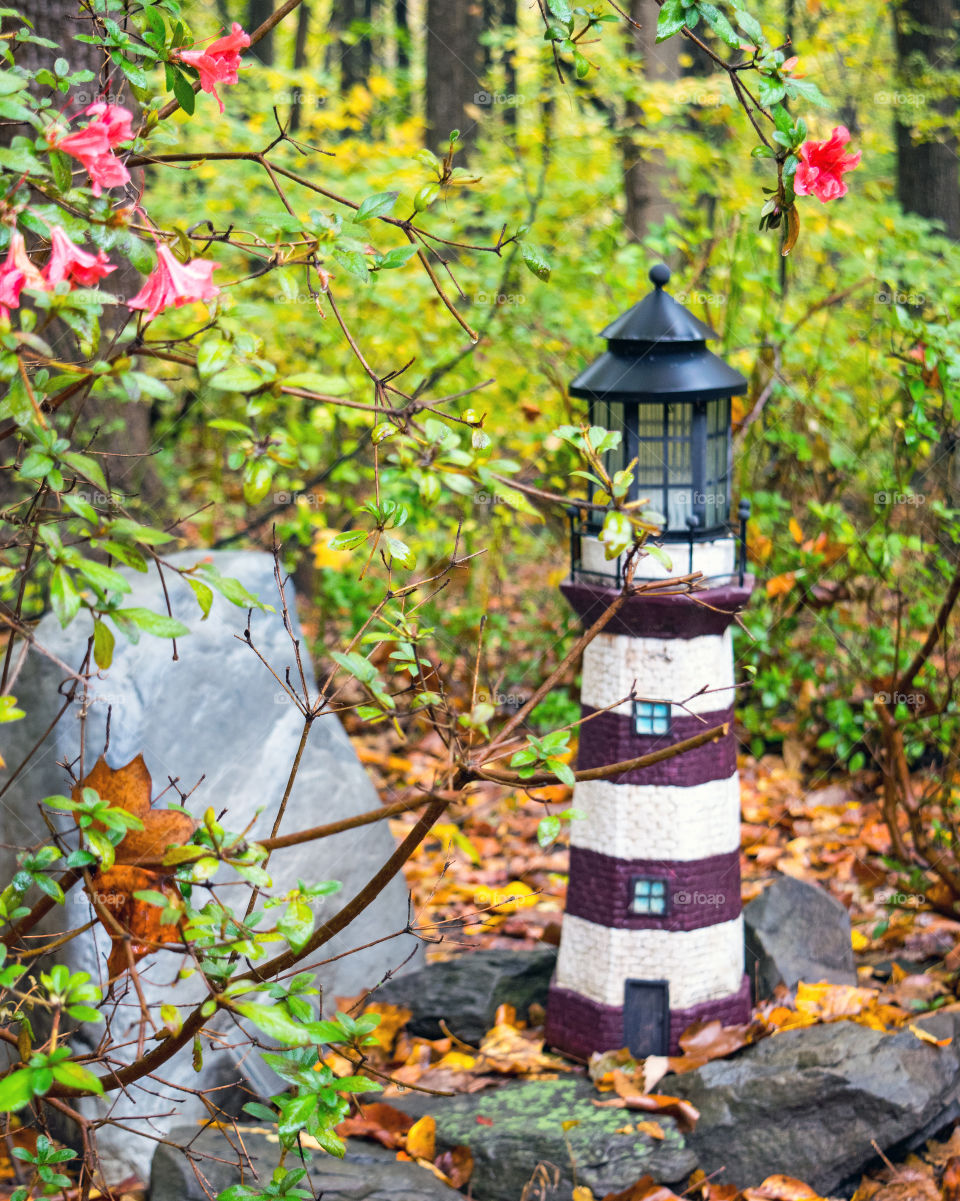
(700, 965)
(668, 669)
(643, 821)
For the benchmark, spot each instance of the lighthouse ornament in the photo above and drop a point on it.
(652, 937)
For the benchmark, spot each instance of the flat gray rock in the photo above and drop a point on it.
(366, 1173)
(523, 1126)
(810, 1103)
(465, 992)
(215, 713)
(796, 931)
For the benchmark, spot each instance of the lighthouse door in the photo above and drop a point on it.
(646, 1017)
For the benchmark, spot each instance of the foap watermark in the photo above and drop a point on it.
(913, 700)
(508, 700)
(899, 498)
(489, 99)
(719, 499)
(708, 298)
(896, 899)
(911, 299)
(298, 99)
(493, 498)
(99, 499)
(500, 298)
(706, 900)
(900, 99)
(310, 499)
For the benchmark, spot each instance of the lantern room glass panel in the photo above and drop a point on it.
(683, 452)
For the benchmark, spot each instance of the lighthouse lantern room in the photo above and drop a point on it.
(652, 936)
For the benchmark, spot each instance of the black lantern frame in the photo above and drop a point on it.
(670, 399)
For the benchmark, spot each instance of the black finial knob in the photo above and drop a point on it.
(743, 509)
(659, 275)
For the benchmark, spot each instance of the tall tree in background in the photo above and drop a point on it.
(927, 171)
(354, 19)
(259, 11)
(645, 202)
(454, 68)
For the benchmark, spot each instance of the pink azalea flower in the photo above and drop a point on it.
(175, 283)
(220, 62)
(115, 120)
(823, 165)
(16, 273)
(12, 281)
(93, 145)
(69, 262)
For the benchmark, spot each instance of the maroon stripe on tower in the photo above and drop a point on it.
(580, 1026)
(679, 616)
(609, 738)
(698, 893)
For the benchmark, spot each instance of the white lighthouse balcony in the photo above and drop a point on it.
(715, 559)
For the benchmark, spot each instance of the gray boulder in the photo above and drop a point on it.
(523, 1126)
(811, 1103)
(464, 992)
(367, 1172)
(217, 713)
(795, 931)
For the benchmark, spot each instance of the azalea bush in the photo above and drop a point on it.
(109, 191)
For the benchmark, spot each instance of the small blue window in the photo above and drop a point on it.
(651, 717)
(648, 897)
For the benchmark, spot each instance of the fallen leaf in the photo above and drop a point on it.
(782, 1188)
(683, 1112)
(422, 1138)
(114, 891)
(654, 1129)
(382, 1122)
(645, 1189)
(130, 787)
(951, 1180)
(456, 1166)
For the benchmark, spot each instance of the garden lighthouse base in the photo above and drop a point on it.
(579, 1026)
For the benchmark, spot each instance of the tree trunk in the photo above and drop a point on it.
(454, 66)
(401, 21)
(299, 62)
(356, 46)
(259, 11)
(927, 181)
(643, 172)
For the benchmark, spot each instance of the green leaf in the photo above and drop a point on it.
(548, 829)
(315, 381)
(535, 261)
(377, 205)
(74, 1076)
(670, 20)
(275, 1023)
(560, 9)
(16, 1090)
(720, 25)
(103, 644)
(64, 597)
(257, 480)
(203, 594)
(157, 624)
(213, 355)
(399, 256)
(750, 26)
(770, 91)
(103, 577)
(186, 97)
